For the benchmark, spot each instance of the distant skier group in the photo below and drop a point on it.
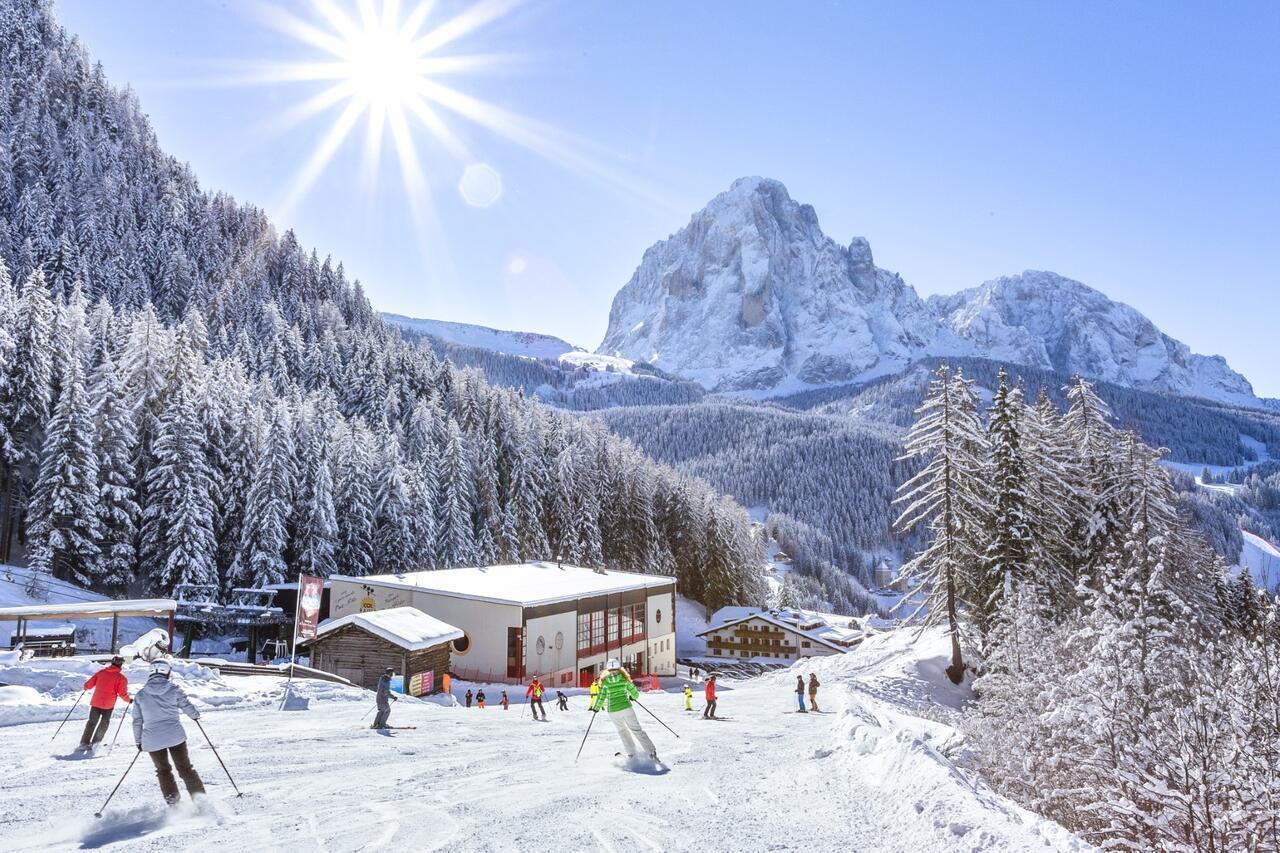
(813, 693)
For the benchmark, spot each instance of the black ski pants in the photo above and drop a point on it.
(164, 773)
(95, 729)
(535, 705)
(710, 710)
(380, 718)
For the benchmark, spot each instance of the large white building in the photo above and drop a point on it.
(747, 633)
(560, 623)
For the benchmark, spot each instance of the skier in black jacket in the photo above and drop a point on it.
(384, 699)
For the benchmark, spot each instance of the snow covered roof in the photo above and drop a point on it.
(524, 584)
(36, 631)
(407, 627)
(814, 626)
(90, 609)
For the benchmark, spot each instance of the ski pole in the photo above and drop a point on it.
(584, 737)
(119, 726)
(68, 716)
(219, 757)
(99, 812)
(655, 716)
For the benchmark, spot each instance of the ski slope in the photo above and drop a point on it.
(867, 774)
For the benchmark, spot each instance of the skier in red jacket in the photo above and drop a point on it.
(534, 695)
(709, 713)
(108, 683)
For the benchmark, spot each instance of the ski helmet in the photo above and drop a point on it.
(613, 664)
(391, 670)
(161, 668)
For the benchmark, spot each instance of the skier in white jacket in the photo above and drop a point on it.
(158, 731)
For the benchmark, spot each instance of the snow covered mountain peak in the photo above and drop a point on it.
(1047, 320)
(752, 296)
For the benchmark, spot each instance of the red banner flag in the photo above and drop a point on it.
(310, 591)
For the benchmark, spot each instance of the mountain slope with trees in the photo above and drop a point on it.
(188, 397)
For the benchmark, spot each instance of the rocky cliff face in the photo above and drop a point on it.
(751, 295)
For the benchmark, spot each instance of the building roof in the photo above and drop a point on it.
(524, 584)
(90, 609)
(811, 625)
(407, 627)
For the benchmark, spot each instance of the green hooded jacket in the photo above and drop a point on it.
(616, 693)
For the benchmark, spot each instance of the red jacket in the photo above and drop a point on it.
(107, 684)
(535, 690)
(711, 691)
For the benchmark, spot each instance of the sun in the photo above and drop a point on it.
(393, 70)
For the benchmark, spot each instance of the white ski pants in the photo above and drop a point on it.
(634, 740)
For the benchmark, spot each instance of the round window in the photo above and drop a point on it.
(462, 645)
(559, 640)
(541, 645)
(657, 616)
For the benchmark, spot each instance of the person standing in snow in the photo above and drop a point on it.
(593, 691)
(813, 692)
(534, 695)
(384, 698)
(480, 699)
(709, 713)
(616, 695)
(800, 693)
(108, 683)
(562, 700)
(688, 697)
(505, 701)
(468, 697)
(158, 731)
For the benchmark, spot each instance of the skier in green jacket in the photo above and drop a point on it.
(616, 695)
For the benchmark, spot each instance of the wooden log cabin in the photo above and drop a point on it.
(358, 647)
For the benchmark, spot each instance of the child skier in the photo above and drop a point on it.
(108, 683)
(594, 691)
(505, 701)
(384, 699)
(709, 713)
(468, 697)
(800, 693)
(562, 700)
(616, 695)
(534, 695)
(480, 699)
(688, 697)
(813, 692)
(158, 731)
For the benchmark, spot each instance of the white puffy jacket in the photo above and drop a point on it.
(155, 714)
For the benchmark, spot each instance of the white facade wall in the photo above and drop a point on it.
(553, 663)
(485, 624)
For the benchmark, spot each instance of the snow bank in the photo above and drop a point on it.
(46, 688)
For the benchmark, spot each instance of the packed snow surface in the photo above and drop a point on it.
(1262, 559)
(407, 627)
(866, 774)
(528, 584)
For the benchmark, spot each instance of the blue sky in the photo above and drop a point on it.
(1131, 146)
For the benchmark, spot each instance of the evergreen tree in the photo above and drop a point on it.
(177, 525)
(65, 530)
(269, 501)
(115, 436)
(947, 496)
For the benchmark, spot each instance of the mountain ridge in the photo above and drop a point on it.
(751, 296)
